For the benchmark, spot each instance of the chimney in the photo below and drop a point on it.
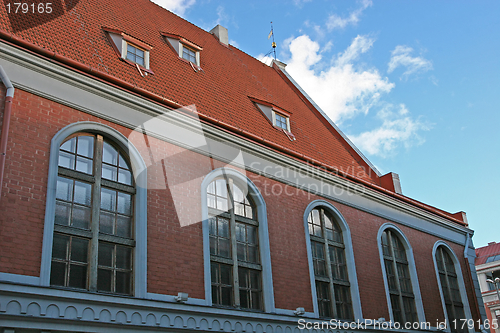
(221, 33)
(391, 182)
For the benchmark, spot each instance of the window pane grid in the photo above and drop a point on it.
(188, 54)
(134, 54)
(82, 203)
(398, 278)
(234, 248)
(69, 261)
(450, 288)
(280, 121)
(330, 267)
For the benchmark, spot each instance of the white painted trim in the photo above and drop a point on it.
(18, 278)
(411, 267)
(140, 207)
(349, 254)
(460, 278)
(265, 254)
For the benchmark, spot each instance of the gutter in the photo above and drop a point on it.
(133, 88)
(9, 95)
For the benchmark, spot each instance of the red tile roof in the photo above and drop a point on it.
(483, 253)
(75, 36)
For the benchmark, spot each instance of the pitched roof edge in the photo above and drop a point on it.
(281, 67)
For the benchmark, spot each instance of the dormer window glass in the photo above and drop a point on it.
(189, 54)
(281, 121)
(135, 54)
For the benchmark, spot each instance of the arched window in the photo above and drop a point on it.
(235, 263)
(450, 289)
(399, 283)
(93, 233)
(330, 267)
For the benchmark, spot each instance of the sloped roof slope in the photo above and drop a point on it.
(483, 253)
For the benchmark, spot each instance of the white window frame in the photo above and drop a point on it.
(139, 170)
(243, 182)
(181, 53)
(274, 113)
(124, 53)
(349, 256)
(411, 267)
(461, 285)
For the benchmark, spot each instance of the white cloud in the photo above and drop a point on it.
(177, 6)
(401, 56)
(335, 21)
(341, 90)
(397, 129)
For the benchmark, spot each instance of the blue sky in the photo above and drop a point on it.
(414, 84)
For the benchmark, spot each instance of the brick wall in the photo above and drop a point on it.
(175, 253)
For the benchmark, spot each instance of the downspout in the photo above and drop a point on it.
(9, 95)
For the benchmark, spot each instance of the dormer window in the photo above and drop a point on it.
(189, 54)
(135, 54)
(131, 50)
(279, 118)
(185, 49)
(281, 121)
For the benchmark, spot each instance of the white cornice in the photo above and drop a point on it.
(75, 81)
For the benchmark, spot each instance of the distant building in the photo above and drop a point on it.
(488, 269)
(158, 179)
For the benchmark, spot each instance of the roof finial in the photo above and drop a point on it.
(274, 43)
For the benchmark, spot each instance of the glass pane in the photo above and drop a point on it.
(109, 172)
(84, 165)
(64, 189)
(255, 279)
(240, 232)
(81, 217)
(86, 146)
(105, 257)
(221, 204)
(124, 203)
(256, 300)
(60, 246)
(253, 254)
(122, 163)
(79, 249)
(78, 276)
(124, 177)
(214, 270)
(57, 273)
(130, 48)
(225, 274)
(223, 228)
(109, 154)
(63, 213)
(211, 201)
(123, 282)
(241, 253)
(212, 226)
(69, 145)
(239, 209)
(123, 226)
(251, 235)
(123, 257)
(226, 295)
(238, 194)
(106, 223)
(83, 193)
(243, 277)
(66, 160)
(220, 186)
(108, 199)
(213, 246)
(224, 248)
(104, 277)
(211, 188)
(139, 53)
(244, 299)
